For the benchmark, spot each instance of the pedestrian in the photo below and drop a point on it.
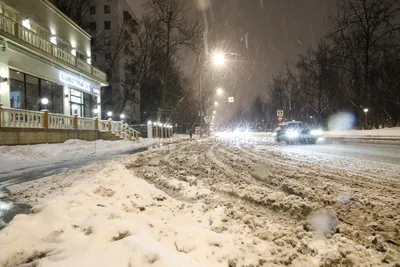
(190, 133)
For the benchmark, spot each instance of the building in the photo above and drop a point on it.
(45, 55)
(112, 25)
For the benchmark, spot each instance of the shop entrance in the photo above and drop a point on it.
(76, 102)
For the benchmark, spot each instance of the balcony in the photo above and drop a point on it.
(19, 32)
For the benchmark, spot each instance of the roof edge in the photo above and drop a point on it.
(70, 21)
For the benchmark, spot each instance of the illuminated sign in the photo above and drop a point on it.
(95, 91)
(77, 82)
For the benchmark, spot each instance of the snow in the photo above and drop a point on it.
(80, 227)
(73, 151)
(386, 133)
(199, 204)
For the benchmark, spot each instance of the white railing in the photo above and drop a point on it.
(99, 74)
(22, 33)
(58, 121)
(21, 118)
(36, 40)
(86, 124)
(103, 125)
(64, 55)
(83, 65)
(119, 128)
(7, 25)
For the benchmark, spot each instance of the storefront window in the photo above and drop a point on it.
(26, 91)
(93, 104)
(76, 101)
(87, 105)
(17, 90)
(46, 91)
(17, 95)
(32, 92)
(58, 98)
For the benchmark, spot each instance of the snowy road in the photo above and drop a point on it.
(384, 153)
(278, 205)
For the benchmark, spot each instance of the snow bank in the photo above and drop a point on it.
(17, 158)
(114, 219)
(72, 146)
(386, 133)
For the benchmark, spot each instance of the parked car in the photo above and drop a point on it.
(297, 132)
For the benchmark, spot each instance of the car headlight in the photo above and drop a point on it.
(292, 134)
(316, 132)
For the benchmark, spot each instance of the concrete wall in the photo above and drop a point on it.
(22, 136)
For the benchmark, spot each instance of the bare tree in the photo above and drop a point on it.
(178, 32)
(77, 10)
(362, 31)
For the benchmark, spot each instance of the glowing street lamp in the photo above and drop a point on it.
(216, 103)
(366, 119)
(214, 112)
(95, 111)
(122, 116)
(219, 59)
(219, 91)
(109, 114)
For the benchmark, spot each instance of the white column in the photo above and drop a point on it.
(4, 86)
(66, 101)
(99, 106)
(149, 130)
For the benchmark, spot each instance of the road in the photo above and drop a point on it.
(387, 152)
(384, 153)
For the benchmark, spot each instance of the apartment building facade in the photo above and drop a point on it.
(112, 25)
(45, 55)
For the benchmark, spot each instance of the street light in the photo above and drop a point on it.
(214, 112)
(366, 120)
(216, 103)
(95, 111)
(109, 114)
(122, 116)
(219, 91)
(219, 59)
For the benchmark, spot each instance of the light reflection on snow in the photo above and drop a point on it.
(4, 207)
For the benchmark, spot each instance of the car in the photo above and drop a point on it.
(297, 132)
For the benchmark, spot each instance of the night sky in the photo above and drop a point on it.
(277, 31)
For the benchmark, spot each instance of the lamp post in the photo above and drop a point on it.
(218, 59)
(366, 118)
